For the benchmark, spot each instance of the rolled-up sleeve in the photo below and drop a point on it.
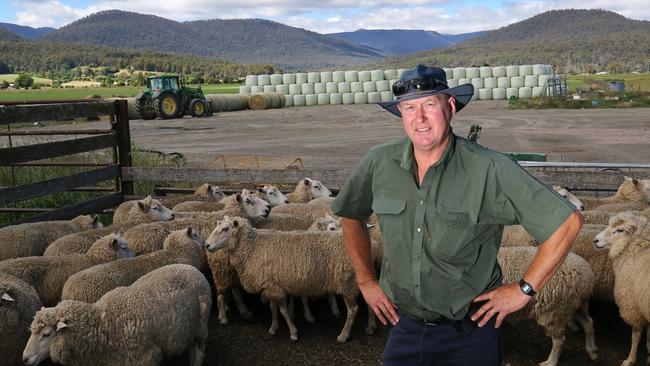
(354, 199)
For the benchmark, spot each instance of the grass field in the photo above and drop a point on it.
(81, 93)
(633, 82)
(11, 77)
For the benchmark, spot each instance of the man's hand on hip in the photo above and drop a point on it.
(501, 301)
(380, 304)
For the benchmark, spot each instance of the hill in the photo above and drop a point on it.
(26, 32)
(403, 41)
(239, 40)
(571, 40)
(6, 35)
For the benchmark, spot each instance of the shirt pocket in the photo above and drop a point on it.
(454, 231)
(390, 213)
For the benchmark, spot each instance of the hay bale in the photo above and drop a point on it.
(542, 80)
(374, 97)
(512, 92)
(331, 87)
(299, 100)
(463, 81)
(307, 88)
(284, 89)
(526, 92)
(369, 86)
(485, 94)
(530, 80)
(301, 78)
(382, 86)
(400, 72)
(130, 103)
(538, 91)
(539, 69)
(288, 79)
(490, 83)
(452, 83)
(459, 73)
(525, 70)
(266, 101)
(499, 71)
(311, 99)
(277, 79)
(549, 70)
(313, 77)
(386, 96)
(376, 75)
(295, 89)
(319, 88)
(288, 101)
(269, 89)
(344, 87)
(257, 89)
(473, 72)
(228, 102)
(356, 87)
(251, 80)
(351, 76)
(338, 76)
(364, 76)
(503, 82)
(478, 83)
(449, 72)
(390, 84)
(512, 71)
(326, 77)
(517, 82)
(348, 98)
(390, 74)
(498, 93)
(263, 80)
(323, 99)
(336, 98)
(360, 98)
(244, 89)
(485, 72)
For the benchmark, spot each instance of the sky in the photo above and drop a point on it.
(322, 16)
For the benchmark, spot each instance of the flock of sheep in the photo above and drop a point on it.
(80, 293)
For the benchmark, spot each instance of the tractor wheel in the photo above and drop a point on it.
(143, 110)
(198, 108)
(167, 105)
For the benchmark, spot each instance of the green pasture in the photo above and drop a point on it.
(12, 77)
(633, 82)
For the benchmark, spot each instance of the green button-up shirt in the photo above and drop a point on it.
(441, 238)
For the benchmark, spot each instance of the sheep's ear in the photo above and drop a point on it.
(6, 297)
(307, 181)
(626, 177)
(629, 228)
(96, 221)
(114, 244)
(61, 325)
(238, 197)
(635, 182)
(97, 237)
(557, 188)
(189, 231)
(209, 187)
(143, 206)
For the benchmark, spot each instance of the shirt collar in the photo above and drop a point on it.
(407, 159)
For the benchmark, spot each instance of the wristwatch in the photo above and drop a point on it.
(526, 288)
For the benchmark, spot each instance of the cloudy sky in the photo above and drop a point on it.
(323, 16)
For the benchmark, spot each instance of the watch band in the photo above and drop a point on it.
(526, 288)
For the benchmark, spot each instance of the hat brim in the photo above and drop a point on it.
(462, 93)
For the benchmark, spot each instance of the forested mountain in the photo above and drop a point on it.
(6, 35)
(571, 40)
(247, 40)
(402, 41)
(26, 32)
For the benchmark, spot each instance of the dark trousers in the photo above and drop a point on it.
(413, 342)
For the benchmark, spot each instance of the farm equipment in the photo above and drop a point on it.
(165, 97)
(475, 133)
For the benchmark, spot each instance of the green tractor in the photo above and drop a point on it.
(165, 97)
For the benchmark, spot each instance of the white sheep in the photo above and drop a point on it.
(206, 192)
(194, 206)
(272, 195)
(49, 274)
(307, 190)
(304, 210)
(601, 214)
(181, 246)
(31, 239)
(627, 238)
(144, 210)
(564, 297)
(18, 304)
(162, 314)
(318, 263)
(631, 190)
(570, 197)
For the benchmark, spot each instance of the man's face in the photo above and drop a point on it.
(426, 120)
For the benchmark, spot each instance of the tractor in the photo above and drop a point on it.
(165, 97)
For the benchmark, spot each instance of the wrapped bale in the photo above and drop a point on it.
(386, 96)
(336, 98)
(251, 80)
(348, 98)
(257, 89)
(331, 87)
(459, 73)
(485, 94)
(338, 76)
(344, 87)
(266, 101)
(549, 70)
(288, 79)
(382, 86)
(313, 77)
(376, 75)
(263, 80)
(530, 80)
(452, 83)
(517, 82)
(374, 97)
(351, 76)
(369, 86)
(503, 82)
(301, 78)
(525, 70)
(390, 74)
(485, 72)
(539, 70)
(538, 91)
(542, 80)
(356, 87)
(284, 89)
(307, 88)
(498, 93)
(478, 83)
(277, 79)
(463, 81)
(360, 98)
(400, 72)
(512, 70)
(326, 77)
(319, 88)
(473, 72)
(525, 92)
(311, 99)
(390, 84)
(364, 76)
(500, 71)
(244, 89)
(299, 100)
(489, 83)
(449, 72)
(512, 92)
(323, 99)
(288, 101)
(295, 89)
(269, 89)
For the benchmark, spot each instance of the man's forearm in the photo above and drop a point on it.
(357, 244)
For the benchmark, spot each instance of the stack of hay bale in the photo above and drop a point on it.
(363, 87)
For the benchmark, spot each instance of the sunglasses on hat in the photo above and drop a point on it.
(400, 87)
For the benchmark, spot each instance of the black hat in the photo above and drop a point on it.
(432, 80)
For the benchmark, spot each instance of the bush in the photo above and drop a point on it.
(4, 84)
(24, 81)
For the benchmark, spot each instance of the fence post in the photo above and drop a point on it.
(121, 126)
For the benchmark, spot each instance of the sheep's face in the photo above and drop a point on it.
(194, 236)
(328, 223)
(43, 333)
(155, 210)
(91, 222)
(121, 247)
(253, 206)
(644, 187)
(215, 194)
(618, 235)
(318, 190)
(272, 195)
(570, 197)
(220, 236)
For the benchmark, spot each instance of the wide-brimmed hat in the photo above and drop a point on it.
(423, 81)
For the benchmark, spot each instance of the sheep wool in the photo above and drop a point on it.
(206, 193)
(18, 304)
(631, 190)
(200, 206)
(145, 210)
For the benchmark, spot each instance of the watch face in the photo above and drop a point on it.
(526, 288)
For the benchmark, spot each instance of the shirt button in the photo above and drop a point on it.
(416, 285)
(421, 202)
(419, 230)
(417, 257)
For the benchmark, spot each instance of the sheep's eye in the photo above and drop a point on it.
(619, 230)
(248, 201)
(225, 229)
(156, 208)
(317, 187)
(47, 334)
(271, 193)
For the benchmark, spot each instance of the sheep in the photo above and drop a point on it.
(162, 314)
(600, 215)
(627, 240)
(569, 197)
(631, 190)
(206, 193)
(282, 222)
(181, 246)
(318, 262)
(48, 274)
(303, 210)
(144, 210)
(564, 296)
(307, 190)
(31, 239)
(194, 206)
(272, 195)
(18, 304)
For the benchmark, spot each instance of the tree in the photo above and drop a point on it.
(24, 81)
(4, 84)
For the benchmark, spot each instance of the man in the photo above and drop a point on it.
(441, 202)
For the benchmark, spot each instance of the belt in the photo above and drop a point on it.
(443, 321)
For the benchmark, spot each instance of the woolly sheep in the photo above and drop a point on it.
(564, 296)
(18, 304)
(282, 222)
(206, 193)
(170, 306)
(181, 246)
(601, 214)
(570, 197)
(631, 190)
(48, 274)
(303, 210)
(194, 206)
(307, 190)
(627, 238)
(31, 239)
(261, 258)
(272, 195)
(144, 210)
